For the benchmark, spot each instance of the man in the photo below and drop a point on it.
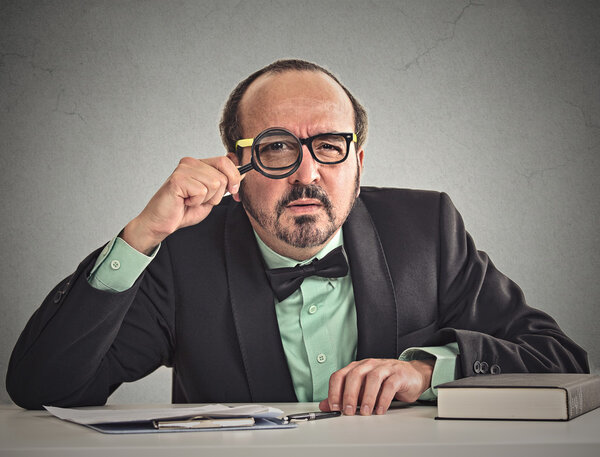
(192, 281)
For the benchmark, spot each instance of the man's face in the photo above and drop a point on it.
(297, 215)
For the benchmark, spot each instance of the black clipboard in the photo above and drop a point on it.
(260, 423)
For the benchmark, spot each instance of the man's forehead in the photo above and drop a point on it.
(294, 93)
(297, 106)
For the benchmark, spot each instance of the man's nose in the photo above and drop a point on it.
(308, 171)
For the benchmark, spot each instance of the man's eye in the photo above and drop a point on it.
(329, 146)
(276, 146)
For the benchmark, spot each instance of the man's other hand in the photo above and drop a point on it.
(372, 384)
(186, 198)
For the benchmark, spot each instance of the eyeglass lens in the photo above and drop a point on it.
(278, 153)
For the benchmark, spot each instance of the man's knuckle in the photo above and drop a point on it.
(336, 377)
(223, 162)
(364, 369)
(201, 192)
(214, 183)
(175, 182)
(394, 382)
(374, 376)
(186, 161)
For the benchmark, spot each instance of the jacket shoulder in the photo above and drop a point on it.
(404, 214)
(386, 198)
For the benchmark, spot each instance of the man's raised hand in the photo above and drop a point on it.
(185, 199)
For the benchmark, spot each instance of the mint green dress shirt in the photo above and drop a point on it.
(317, 322)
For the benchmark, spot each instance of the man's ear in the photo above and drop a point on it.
(360, 156)
(233, 157)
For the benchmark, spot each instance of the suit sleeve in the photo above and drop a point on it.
(486, 313)
(82, 342)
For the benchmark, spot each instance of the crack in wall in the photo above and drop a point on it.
(73, 112)
(4, 56)
(530, 173)
(587, 117)
(438, 41)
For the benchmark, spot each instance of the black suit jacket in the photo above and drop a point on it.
(204, 307)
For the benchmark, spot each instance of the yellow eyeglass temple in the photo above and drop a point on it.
(244, 143)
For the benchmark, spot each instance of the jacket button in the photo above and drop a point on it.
(65, 287)
(57, 296)
(495, 369)
(484, 367)
(477, 367)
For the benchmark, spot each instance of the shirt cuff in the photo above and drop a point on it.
(119, 266)
(444, 369)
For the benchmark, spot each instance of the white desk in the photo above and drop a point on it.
(401, 432)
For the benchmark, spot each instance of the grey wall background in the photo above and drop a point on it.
(495, 102)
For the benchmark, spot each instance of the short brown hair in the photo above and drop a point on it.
(230, 125)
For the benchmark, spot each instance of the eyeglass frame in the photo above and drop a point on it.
(248, 142)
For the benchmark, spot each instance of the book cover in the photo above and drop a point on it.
(519, 396)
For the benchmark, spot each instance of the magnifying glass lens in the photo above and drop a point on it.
(277, 152)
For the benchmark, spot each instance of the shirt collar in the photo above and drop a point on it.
(274, 260)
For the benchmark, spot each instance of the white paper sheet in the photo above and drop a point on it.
(110, 414)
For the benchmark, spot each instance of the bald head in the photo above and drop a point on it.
(230, 125)
(304, 102)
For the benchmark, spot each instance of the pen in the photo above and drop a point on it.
(312, 416)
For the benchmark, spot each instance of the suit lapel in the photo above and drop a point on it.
(374, 295)
(254, 315)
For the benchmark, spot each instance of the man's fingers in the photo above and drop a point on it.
(217, 192)
(336, 387)
(388, 390)
(372, 385)
(196, 200)
(229, 170)
(201, 182)
(185, 198)
(353, 385)
(324, 405)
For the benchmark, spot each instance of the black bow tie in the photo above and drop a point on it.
(285, 281)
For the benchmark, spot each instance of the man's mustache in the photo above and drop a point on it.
(297, 192)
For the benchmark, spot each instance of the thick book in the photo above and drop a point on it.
(519, 396)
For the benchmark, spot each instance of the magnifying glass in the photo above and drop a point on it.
(276, 153)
